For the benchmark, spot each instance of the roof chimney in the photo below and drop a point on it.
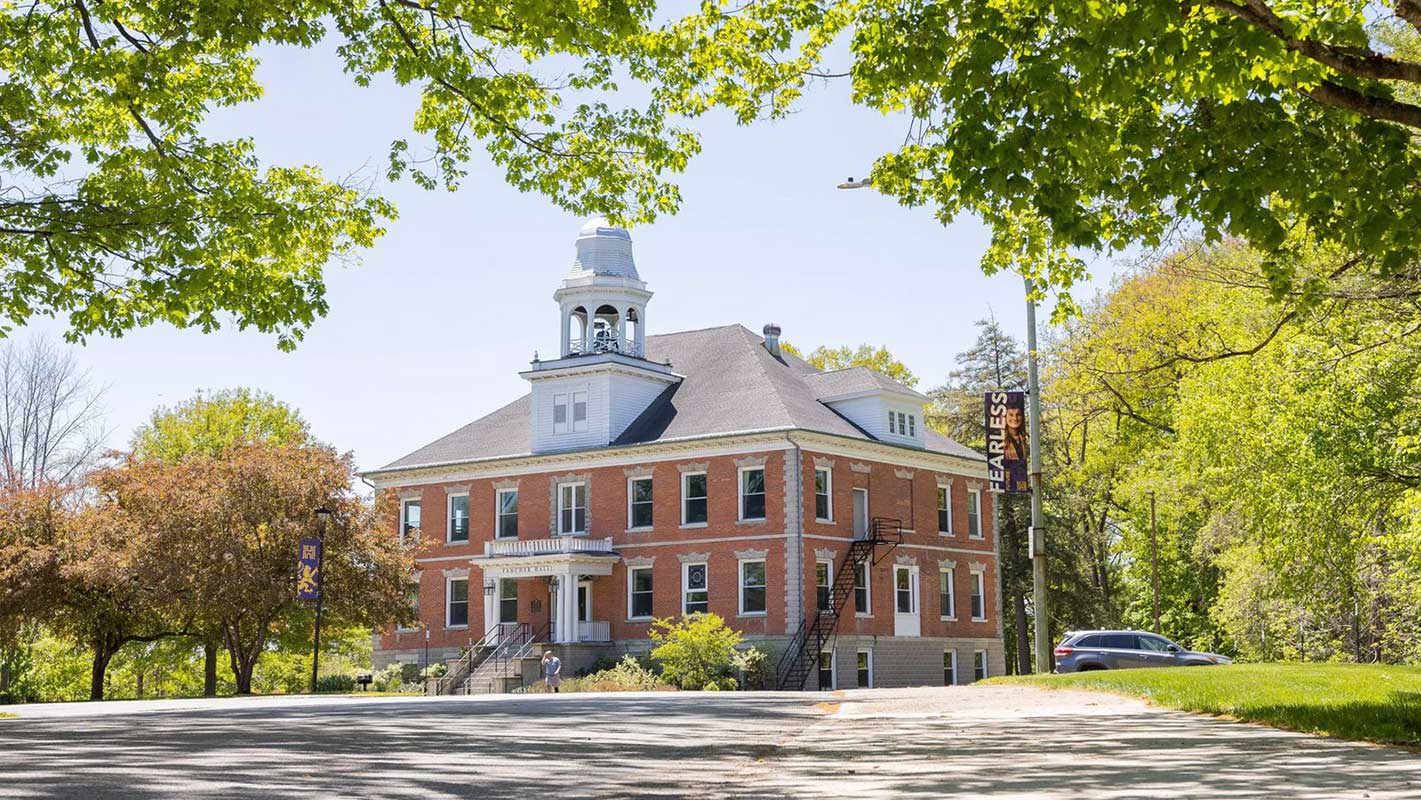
(772, 340)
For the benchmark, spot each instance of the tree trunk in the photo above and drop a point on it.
(1023, 643)
(102, 655)
(209, 667)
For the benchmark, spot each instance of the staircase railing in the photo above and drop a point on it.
(516, 644)
(800, 657)
(470, 660)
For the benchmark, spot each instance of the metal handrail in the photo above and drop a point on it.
(466, 666)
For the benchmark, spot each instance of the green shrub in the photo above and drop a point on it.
(752, 665)
(627, 675)
(335, 683)
(435, 670)
(695, 651)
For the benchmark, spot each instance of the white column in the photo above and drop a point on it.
(571, 580)
(641, 332)
(566, 339)
(591, 318)
(490, 604)
(622, 327)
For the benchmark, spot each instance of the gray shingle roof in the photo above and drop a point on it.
(732, 384)
(853, 380)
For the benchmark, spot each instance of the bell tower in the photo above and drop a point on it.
(602, 379)
(602, 301)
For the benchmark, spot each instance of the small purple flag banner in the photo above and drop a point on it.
(308, 576)
(1008, 445)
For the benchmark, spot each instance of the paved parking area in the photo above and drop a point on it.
(938, 742)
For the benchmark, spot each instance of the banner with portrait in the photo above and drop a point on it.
(1008, 446)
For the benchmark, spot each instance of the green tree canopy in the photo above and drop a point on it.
(878, 359)
(209, 424)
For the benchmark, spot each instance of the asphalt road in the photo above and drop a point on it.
(939, 742)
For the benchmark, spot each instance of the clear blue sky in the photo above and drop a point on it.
(430, 329)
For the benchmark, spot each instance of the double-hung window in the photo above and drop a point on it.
(979, 609)
(639, 503)
(892, 422)
(822, 587)
(693, 499)
(944, 511)
(947, 594)
(458, 518)
(823, 491)
(912, 424)
(826, 670)
(409, 522)
(865, 668)
(695, 589)
(949, 668)
(974, 513)
(979, 665)
(752, 493)
(507, 503)
(507, 600)
(456, 613)
(905, 593)
(639, 593)
(570, 412)
(572, 508)
(752, 587)
(863, 603)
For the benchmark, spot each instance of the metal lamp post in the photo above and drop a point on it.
(1037, 538)
(323, 514)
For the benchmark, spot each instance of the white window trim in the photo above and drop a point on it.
(405, 504)
(448, 602)
(686, 583)
(828, 491)
(740, 494)
(631, 583)
(947, 491)
(563, 399)
(892, 423)
(585, 500)
(449, 519)
(913, 589)
(741, 600)
(867, 590)
(980, 657)
(869, 652)
(634, 528)
(953, 654)
(685, 482)
(974, 499)
(498, 513)
(828, 579)
(979, 583)
(833, 670)
(951, 578)
(572, 420)
(912, 426)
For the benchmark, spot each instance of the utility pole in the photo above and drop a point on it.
(1038, 528)
(1154, 560)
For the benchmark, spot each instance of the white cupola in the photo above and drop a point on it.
(602, 301)
(601, 381)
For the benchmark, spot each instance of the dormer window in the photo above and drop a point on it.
(892, 422)
(570, 412)
(913, 425)
(902, 423)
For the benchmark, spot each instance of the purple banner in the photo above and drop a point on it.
(308, 575)
(1008, 446)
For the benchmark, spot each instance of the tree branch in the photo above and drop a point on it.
(1357, 62)
(1337, 96)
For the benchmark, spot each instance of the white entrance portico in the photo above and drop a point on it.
(566, 562)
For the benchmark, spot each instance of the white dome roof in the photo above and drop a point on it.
(603, 249)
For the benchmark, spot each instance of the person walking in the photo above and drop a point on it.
(552, 670)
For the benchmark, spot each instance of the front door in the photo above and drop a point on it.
(860, 513)
(584, 602)
(906, 621)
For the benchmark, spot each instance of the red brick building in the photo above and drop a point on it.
(706, 470)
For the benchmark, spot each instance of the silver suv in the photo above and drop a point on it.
(1087, 650)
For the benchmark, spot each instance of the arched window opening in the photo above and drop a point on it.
(606, 330)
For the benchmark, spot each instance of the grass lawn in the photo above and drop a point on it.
(1370, 702)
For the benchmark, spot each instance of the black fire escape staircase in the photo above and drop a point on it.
(802, 656)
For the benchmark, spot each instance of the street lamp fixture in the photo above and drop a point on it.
(323, 514)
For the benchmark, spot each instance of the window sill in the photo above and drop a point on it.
(869, 615)
(948, 619)
(689, 525)
(752, 521)
(455, 542)
(823, 521)
(948, 534)
(572, 534)
(456, 627)
(979, 619)
(639, 619)
(977, 538)
(752, 615)
(513, 538)
(644, 529)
